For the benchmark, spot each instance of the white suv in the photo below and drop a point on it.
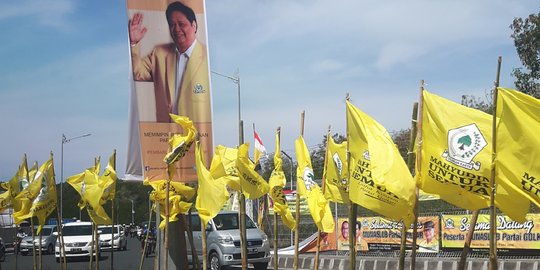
(119, 239)
(77, 240)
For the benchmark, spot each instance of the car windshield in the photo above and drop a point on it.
(107, 230)
(231, 222)
(77, 230)
(44, 231)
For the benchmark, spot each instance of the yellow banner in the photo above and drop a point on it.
(510, 234)
(378, 233)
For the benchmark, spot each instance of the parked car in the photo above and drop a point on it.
(2, 250)
(77, 241)
(119, 239)
(223, 241)
(48, 240)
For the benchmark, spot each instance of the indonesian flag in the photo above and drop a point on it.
(260, 150)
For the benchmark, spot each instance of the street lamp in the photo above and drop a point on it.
(64, 141)
(132, 213)
(235, 80)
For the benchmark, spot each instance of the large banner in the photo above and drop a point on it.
(170, 74)
(511, 235)
(378, 233)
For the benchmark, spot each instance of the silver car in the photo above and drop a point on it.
(223, 241)
(48, 240)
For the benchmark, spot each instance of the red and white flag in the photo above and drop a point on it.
(260, 150)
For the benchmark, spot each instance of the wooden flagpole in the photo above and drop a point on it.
(493, 184)
(167, 209)
(112, 219)
(316, 267)
(468, 239)
(242, 212)
(96, 243)
(296, 234)
(40, 253)
(276, 259)
(32, 229)
(418, 167)
(353, 208)
(410, 164)
(194, 257)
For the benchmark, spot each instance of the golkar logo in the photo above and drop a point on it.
(308, 178)
(464, 143)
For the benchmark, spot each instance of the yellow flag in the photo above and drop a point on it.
(518, 144)
(379, 177)
(179, 195)
(224, 166)
(98, 215)
(212, 194)
(457, 157)
(18, 182)
(277, 183)
(253, 185)
(5, 201)
(42, 195)
(335, 172)
(107, 181)
(180, 143)
(307, 187)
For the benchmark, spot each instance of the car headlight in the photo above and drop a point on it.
(116, 237)
(264, 237)
(226, 240)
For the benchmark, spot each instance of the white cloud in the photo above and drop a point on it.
(50, 13)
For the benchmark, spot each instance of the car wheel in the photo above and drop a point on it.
(214, 262)
(50, 249)
(261, 266)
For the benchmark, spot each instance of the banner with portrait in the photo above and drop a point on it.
(378, 233)
(511, 235)
(169, 74)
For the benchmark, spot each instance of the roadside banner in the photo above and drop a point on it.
(169, 74)
(511, 235)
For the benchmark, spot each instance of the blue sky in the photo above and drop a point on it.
(65, 68)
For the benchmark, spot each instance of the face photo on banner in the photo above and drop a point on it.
(170, 72)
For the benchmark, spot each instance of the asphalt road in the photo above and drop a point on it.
(123, 260)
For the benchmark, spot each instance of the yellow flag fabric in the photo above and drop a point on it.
(88, 185)
(224, 166)
(107, 181)
(307, 187)
(379, 177)
(456, 157)
(41, 195)
(179, 195)
(518, 144)
(253, 185)
(335, 172)
(212, 194)
(277, 183)
(180, 143)
(18, 182)
(5, 201)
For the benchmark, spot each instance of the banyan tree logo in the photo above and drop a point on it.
(309, 178)
(449, 224)
(464, 143)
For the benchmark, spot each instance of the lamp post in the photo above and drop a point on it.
(64, 141)
(290, 159)
(132, 213)
(235, 80)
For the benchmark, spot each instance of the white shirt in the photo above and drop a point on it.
(180, 68)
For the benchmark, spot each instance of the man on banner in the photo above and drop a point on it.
(170, 72)
(179, 70)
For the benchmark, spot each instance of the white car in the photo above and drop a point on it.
(77, 240)
(119, 239)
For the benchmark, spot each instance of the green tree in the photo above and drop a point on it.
(526, 37)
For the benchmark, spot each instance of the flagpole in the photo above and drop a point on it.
(33, 242)
(493, 184)
(276, 216)
(204, 248)
(352, 206)
(419, 123)
(40, 255)
(143, 255)
(323, 190)
(91, 259)
(112, 217)
(194, 257)
(296, 235)
(242, 206)
(410, 164)
(468, 239)
(167, 209)
(96, 243)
